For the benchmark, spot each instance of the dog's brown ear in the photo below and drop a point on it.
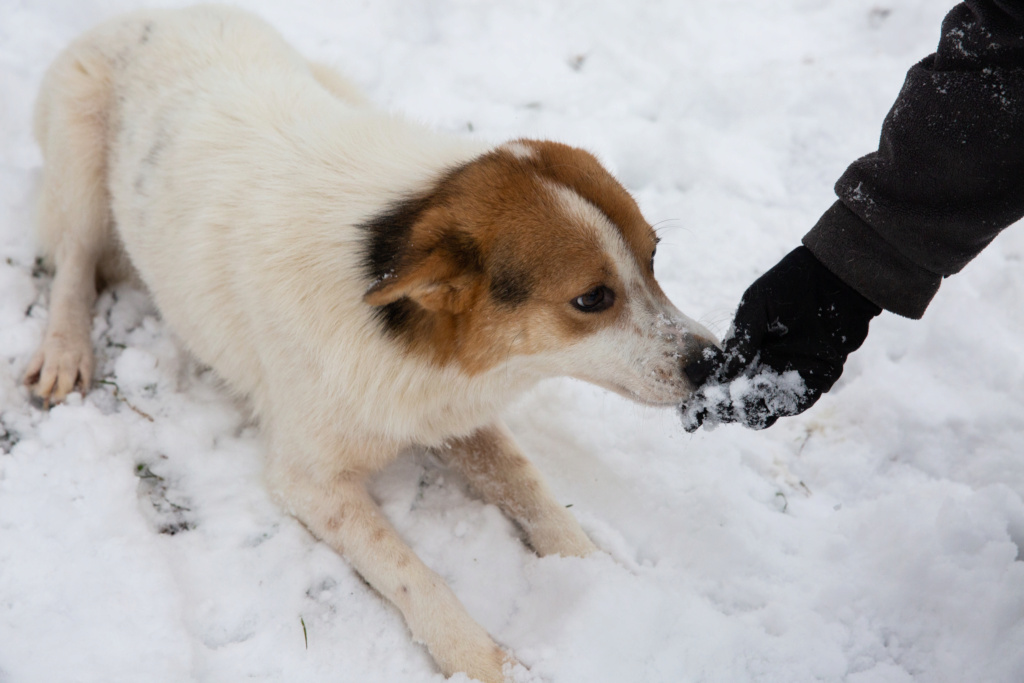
(439, 278)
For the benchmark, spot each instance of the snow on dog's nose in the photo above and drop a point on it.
(673, 342)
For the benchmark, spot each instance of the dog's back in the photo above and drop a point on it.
(235, 173)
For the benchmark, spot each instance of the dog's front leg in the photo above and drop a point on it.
(342, 513)
(502, 475)
(65, 357)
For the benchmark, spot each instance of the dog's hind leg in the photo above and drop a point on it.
(73, 216)
(502, 476)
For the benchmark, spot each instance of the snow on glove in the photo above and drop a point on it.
(793, 330)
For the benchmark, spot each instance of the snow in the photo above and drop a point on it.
(875, 539)
(748, 399)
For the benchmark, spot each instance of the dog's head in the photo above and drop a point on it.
(533, 256)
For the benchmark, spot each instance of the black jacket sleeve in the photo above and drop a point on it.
(948, 175)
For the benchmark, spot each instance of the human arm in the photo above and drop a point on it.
(947, 178)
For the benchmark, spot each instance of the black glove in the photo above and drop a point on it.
(793, 330)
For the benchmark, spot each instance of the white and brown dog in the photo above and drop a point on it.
(365, 283)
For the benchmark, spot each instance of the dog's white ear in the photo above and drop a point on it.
(436, 283)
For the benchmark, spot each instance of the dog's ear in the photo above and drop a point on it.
(440, 277)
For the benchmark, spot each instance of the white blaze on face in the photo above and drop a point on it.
(520, 150)
(641, 353)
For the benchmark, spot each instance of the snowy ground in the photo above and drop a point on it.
(877, 539)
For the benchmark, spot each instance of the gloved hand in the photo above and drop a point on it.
(793, 330)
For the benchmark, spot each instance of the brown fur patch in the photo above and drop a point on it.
(583, 173)
(487, 263)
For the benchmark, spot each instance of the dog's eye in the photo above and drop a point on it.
(598, 299)
(652, 257)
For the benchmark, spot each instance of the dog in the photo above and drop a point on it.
(366, 284)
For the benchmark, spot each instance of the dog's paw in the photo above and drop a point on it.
(61, 363)
(475, 655)
(564, 538)
(518, 673)
(492, 666)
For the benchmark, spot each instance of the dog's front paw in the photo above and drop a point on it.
(562, 537)
(61, 363)
(489, 664)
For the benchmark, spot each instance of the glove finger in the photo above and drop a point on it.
(763, 395)
(819, 374)
(693, 419)
(748, 331)
(757, 413)
(766, 421)
(739, 353)
(709, 406)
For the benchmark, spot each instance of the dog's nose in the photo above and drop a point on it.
(703, 355)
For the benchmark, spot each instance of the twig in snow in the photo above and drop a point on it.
(119, 397)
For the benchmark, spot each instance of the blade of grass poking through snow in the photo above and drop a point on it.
(122, 399)
(305, 636)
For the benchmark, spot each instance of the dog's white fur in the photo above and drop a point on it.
(200, 151)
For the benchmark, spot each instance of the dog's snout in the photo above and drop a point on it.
(696, 344)
(694, 347)
(701, 344)
(699, 359)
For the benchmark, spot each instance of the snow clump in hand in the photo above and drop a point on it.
(752, 400)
